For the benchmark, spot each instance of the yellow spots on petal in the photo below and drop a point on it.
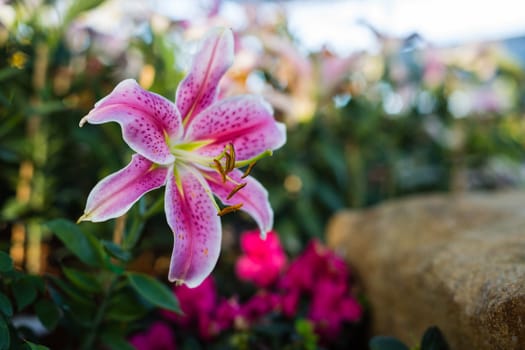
(205, 251)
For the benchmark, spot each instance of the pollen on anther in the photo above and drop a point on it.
(236, 189)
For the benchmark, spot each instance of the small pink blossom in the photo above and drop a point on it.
(263, 259)
(331, 306)
(259, 305)
(158, 337)
(314, 264)
(195, 148)
(196, 303)
(290, 302)
(226, 313)
(323, 276)
(203, 310)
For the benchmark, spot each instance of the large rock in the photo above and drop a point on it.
(457, 262)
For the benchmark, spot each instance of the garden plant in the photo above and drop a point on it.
(189, 208)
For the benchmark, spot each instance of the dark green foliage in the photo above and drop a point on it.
(432, 339)
(154, 291)
(83, 244)
(386, 343)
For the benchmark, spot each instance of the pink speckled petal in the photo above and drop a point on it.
(198, 90)
(192, 216)
(147, 119)
(116, 193)
(254, 197)
(247, 121)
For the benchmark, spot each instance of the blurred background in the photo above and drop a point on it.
(382, 99)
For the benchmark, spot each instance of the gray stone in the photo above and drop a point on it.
(457, 262)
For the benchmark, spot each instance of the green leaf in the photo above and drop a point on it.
(84, 245)
(82, 313)
(72, 292)
(116, 251)
(5, 305)
(125, 307)
(7, 73)
(115, 342)
(433, 339)
(305, 329)
(5, 338)
(24, 292)
(48, 313)
(82, 280)
(33, 346)
(386, 343)
(154, 291)
(6, 263)
(37, 282)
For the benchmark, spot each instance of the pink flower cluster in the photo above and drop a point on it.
(203, 310)
(158, 337)
(323, 277)
(263, 260)
(317, 279)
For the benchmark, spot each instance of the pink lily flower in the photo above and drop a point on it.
(194, 147)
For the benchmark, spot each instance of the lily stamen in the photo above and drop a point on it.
(236, 189)
(232, 155)
(230, 209)
(230, 163)
(248, 170)
(220, 169)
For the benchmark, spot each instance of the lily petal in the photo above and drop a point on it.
(115, 194)
(192, 216)
(253, 196)
(199, 89)
(247, 121)
(148, 120)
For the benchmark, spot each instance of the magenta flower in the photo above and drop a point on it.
(194, 147)
(315, 263)
(158, 337)
(263, 260)
(331, 306)
(259, 305)
(203, 310)
(196, 303)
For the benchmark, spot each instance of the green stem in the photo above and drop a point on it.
(241, 163)
(154, 209)
(137, 223)
(99, 316)
(133, 235)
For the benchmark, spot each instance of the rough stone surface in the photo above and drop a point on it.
(457, 262)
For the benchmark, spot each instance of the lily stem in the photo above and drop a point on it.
(99, 316)
(156, 207)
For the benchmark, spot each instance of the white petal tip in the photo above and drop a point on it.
(178, 283)
(83, 121)
(84, 217)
